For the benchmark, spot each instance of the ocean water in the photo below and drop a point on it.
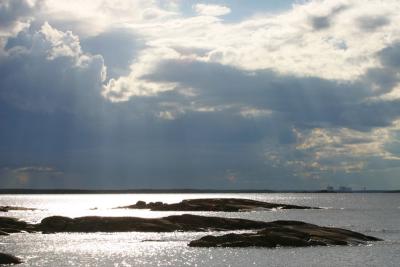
(372, 214)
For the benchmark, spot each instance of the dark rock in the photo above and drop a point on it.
(286, 234)
(12, 223)
(184, 222)
(141, 204)
(11, 230)
(213, 204)
(9, 259)
(8, 208)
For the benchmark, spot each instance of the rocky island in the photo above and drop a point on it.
(213, 204)
(269, 234)
(286, 234)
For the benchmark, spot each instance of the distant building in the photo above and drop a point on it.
(345, 189)
(330, 188)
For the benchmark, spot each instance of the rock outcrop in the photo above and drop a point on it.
(9, 259)
(286, 234)
(185, 222)
(213, 204)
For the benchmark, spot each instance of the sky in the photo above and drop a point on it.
(123, 94)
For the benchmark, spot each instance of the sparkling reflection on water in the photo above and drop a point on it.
(373, 214)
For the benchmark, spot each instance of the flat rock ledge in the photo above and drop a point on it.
(286, 234)
(213, 204)
(9, 259)
(185, 222)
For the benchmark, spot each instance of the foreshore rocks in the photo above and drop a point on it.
(213, 204)
(9, 259)
(286, 234)
(185, 222)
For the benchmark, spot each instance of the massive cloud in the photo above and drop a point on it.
(148, 96)
(45, 69)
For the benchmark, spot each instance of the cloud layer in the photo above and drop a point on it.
(142, 94)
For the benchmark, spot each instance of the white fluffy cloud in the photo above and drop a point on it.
(89, 18)
(343, 47)
(211, 10)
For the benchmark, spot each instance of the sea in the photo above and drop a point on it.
(376, 214)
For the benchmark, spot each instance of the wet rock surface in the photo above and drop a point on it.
(213, 204)
(286, 234)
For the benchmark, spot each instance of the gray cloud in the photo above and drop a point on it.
(232, 122)
(12, 11)
(372, 23)
(33, 169)
(56, 73)
(118, 47)
(390, 56)
(303, 101)
(324, 22)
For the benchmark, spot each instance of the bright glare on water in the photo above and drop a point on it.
(371, 214)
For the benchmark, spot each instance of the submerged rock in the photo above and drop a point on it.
(3, 233)
(213, 204)
(9, 259)
(185, 222)
(286, 234)
(8, 208)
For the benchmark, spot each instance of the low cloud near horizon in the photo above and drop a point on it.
(152, 94)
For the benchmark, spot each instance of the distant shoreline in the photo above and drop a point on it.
(173, 191)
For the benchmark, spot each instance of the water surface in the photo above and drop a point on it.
(371, 214)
